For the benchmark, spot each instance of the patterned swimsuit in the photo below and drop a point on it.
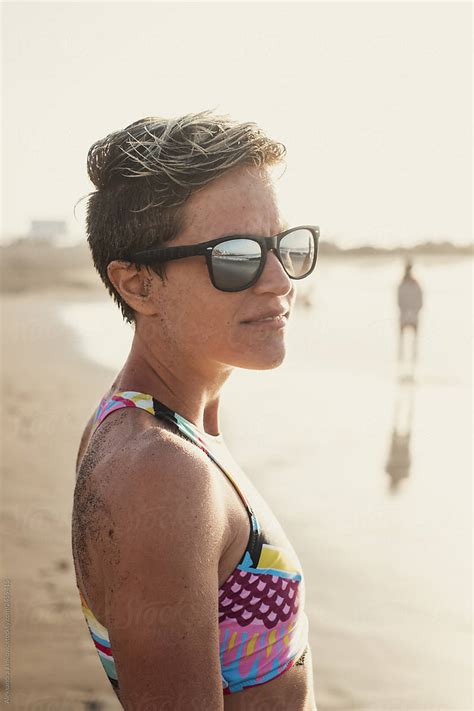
(263, 630)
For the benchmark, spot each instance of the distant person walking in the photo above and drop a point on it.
(410, 302)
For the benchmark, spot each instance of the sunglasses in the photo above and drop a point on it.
(236, 262)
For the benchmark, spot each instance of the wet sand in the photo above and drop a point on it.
(386, 561)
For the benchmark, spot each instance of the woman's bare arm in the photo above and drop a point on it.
(161, 548)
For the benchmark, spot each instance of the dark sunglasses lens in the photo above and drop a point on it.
(297, 253)
(235, 263)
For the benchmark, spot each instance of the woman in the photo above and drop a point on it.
(193, 594)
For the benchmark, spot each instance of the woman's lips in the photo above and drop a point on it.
(275, 322)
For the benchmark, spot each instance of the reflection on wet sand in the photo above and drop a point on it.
(399, 460)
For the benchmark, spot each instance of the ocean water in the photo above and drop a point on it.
(368, 464)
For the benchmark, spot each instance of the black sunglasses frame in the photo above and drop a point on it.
(267, 244)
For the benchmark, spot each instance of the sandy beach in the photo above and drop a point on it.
(382, 637)
(48, 393)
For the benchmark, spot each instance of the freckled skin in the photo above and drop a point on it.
(188, 338)
(186, 314)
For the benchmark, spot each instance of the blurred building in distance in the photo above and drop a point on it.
(47, 231)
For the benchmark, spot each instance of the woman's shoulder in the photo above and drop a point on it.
(153, 491)
(150, 467)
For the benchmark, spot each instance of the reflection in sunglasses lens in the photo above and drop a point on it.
(235, 262)
(297, 252)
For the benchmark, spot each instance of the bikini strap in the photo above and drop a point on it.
(132, 398)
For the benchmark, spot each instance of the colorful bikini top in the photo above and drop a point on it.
(263, 630)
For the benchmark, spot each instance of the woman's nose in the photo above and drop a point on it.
(273, 278)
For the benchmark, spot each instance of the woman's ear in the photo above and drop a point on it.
(134, 284)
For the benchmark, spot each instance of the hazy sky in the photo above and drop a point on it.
(372, 100)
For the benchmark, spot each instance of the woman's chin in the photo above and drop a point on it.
(262, 360)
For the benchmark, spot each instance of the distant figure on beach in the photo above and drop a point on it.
(410, 302)
(192, 592)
